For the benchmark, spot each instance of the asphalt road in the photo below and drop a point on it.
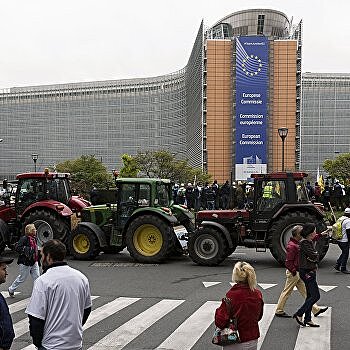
(171, 305)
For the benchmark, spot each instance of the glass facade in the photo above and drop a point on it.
(325, 119)
(105, 119)
(195, 103)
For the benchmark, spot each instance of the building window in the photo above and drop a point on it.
(261, 19)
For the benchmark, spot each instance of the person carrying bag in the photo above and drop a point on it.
(245, 305)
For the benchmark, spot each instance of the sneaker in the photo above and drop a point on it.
(345, 271)
(336, 267)
(321, 311)
(11, 294)
(311, 324)
(299, 319)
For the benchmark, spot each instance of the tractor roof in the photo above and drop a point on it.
(42, 175)
(141, 180)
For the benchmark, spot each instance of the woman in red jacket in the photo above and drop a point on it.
(247, 306)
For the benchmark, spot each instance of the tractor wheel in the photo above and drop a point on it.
(207, 247)
(83, 244)
(281, 231)
(149, 239)
(48, 226)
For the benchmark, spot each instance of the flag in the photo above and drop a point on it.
(321, 182)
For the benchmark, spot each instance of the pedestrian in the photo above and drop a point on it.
(7, 333)
(326, 196)
(209, 197)
(94, 195)
(28, 259)
(240, 196)
(215, 188)
(181, 198)
(308, 260)
(310, 191)
(247, 306)
(317, 192)
(338, 196)
(189, 196)
(292, 275)
(197, 192)
(60, 303)
(225, 195)
(343, 243)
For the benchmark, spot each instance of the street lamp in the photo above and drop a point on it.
(283, 132)
(35, 158)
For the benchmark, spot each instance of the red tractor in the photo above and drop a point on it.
(280, 201)
(44, 199)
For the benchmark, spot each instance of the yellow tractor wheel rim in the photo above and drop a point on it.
(148, 240)
(81, 243)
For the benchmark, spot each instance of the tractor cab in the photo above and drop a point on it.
(135, 193)
(272, 192)
(36, 187)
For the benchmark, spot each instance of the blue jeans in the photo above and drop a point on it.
(312, 293)
(344, 256)
(24, 272)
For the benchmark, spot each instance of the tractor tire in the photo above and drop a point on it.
(281, 231)
(83, 244)
(207, 247)
(48, 226)
(149, 239)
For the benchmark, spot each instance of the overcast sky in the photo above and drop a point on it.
(49, 42)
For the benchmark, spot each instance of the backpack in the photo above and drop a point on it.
(337, 229)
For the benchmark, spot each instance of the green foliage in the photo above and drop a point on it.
(339, 168)
(86, 171)
(130, 168)
(164, 165)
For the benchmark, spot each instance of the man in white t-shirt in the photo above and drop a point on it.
(60, 303)
(343, 243)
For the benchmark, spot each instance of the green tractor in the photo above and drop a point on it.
(143, 218)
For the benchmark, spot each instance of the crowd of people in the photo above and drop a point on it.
(335, 194)
(213, 196)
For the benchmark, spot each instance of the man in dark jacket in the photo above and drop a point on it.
(225, 194)
(7, 333)
(292, 275)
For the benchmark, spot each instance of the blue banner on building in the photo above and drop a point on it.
(251, 105)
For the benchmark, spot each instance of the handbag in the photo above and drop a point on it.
(229, 335)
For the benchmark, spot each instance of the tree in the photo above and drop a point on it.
(339, 168)
(163, 164)
(130, 168)
(86, 171)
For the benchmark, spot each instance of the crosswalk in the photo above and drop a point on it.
(171, 324)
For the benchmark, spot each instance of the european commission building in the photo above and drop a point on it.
(222, 111)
